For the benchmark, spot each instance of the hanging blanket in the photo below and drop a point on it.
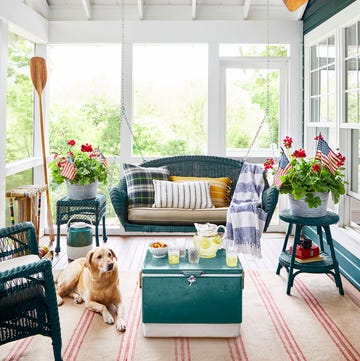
(245, 218)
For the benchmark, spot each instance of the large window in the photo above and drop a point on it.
(254, 81)
(323, 82)
(332, 79)
(170, 99)
(19, 128)
(352, 81)
(85, 95)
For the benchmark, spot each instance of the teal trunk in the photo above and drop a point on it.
(207, 292)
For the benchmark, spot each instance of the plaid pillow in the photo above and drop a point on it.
(139, 182)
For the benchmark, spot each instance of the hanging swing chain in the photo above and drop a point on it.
(123, 110)
(266, 116)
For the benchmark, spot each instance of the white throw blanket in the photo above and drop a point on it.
(245, 218)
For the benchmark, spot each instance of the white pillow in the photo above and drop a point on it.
(189, 195)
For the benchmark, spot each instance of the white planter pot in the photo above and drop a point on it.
(300, 208)
(79, 192)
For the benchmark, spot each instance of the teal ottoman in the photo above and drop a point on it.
(191, 300)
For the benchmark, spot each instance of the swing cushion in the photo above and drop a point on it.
(139, 182)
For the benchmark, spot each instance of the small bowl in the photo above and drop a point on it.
(158, 252)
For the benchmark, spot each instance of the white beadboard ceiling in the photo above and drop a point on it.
(143, 10)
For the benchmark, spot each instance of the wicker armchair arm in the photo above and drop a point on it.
(26, 270)
(269, 200)
(18, 240)
(119, 200)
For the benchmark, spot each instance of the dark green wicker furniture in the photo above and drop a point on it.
(187, 166)
(81, 210)
(329, 263)
(27, 293)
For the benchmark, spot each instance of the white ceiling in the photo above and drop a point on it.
(143, 10)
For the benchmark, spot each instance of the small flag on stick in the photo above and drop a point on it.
(284, 166)
(327, 157)
(103, 159)
(68, 171)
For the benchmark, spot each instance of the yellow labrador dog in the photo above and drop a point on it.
(95, 281)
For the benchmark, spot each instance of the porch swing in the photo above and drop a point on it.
(196, 166)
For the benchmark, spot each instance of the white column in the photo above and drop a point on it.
(3, 95)
(216, 122)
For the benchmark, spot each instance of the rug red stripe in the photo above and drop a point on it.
(176, 349)
(129, 313)
(76, 330)
(137, 330)
(286, 336)
(134, 329)
(237, 349)
(274, 317)
(81, 339)
(330, 327)
(78, 336)
(134, 310)
(229, 341)
(19, 347)
(240, 341)
(188, 349)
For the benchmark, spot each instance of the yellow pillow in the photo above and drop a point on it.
(219, 188)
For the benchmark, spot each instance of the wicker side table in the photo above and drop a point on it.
(329, 264)
(81, 210)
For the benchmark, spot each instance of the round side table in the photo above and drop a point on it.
(328, 264)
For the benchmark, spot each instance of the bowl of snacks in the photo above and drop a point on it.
(158, 249)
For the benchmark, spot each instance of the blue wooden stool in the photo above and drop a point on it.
(329, 263)
(82, 210)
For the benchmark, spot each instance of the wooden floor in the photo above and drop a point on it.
(130, 251)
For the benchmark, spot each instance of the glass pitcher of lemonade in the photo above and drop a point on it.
(208, 239)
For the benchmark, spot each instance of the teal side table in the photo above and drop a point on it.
(81, 210)
(329, 263)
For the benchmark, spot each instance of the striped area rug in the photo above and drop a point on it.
(315, 323)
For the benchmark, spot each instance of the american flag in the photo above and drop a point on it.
(103, 159)
(284, 166)
(327, 157)
(68, 170)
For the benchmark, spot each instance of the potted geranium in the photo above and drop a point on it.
(81, 169)
(310, 179)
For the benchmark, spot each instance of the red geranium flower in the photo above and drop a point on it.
(319, 137)
(71, 142)
(316, 168)
(86, 148)
(299, 153)
(287, 141)
(269, 163)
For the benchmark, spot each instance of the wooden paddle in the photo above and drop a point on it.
(39, 76)
(293, 5)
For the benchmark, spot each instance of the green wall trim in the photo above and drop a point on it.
(349, 264)
(318, 11)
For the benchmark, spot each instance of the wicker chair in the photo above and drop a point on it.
(27, 293)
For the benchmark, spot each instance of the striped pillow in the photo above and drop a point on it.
(220, 188)
(139, 183)
(188, 195)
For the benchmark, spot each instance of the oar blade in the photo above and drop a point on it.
(293, 5)
(38, 73)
